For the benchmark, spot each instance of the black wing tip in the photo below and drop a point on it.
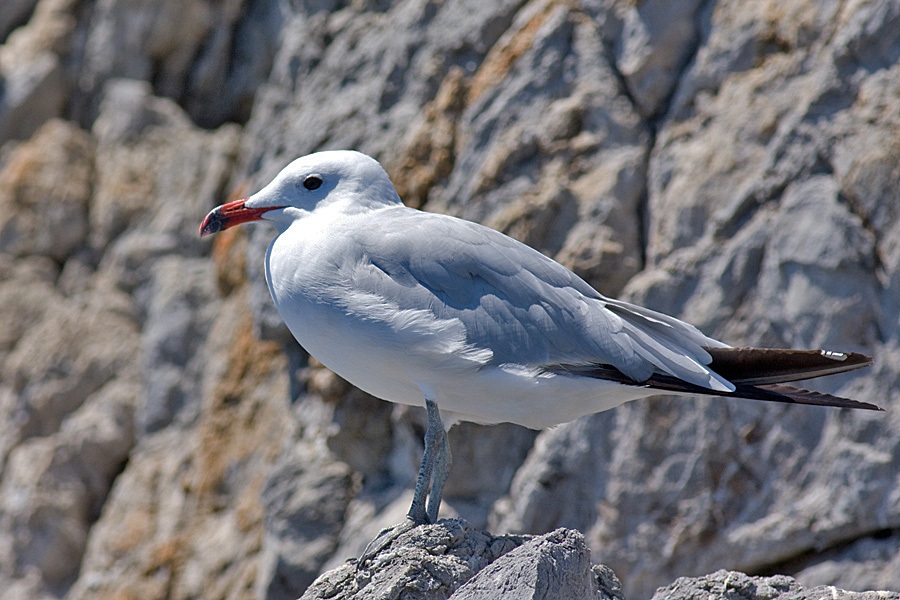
(856, 404)
(795, 395)
(770, 392)
(867, 406)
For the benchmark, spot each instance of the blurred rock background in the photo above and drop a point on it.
(161, 436)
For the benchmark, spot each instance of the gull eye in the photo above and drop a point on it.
(312, 182)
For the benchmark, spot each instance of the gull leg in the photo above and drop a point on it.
(435, 446)
(441, 470)
(433, 432)
(428, 480)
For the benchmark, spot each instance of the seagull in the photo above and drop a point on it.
(427, 309)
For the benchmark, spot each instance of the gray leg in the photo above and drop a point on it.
(435, 454)
(429, 486)
(441, 470)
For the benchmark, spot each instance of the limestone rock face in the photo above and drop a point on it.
(161, 435)
(45, 194)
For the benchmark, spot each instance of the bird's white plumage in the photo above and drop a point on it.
(406, 304)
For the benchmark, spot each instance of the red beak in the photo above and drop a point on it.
(231, 214)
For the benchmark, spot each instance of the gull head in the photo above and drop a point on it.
(348, 180)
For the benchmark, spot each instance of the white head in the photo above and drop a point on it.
(349, 179)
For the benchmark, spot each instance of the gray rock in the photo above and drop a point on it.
(549, 150)
(157, 176)
(212, 57)
(14, 14)
(305, 500)
(870, 562)
(656, 41)
(731, 584)
(67, 407)
(430, 561)
(554, 565)
(205, 533)
(30, 281)
(179, 301)
(29, 587)
(45, 188)
(31, 93)
(35, 85)
(559, 481)
(75, 349)
(53, 487)
(158, 41)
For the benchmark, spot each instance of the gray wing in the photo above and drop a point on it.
(522, 306)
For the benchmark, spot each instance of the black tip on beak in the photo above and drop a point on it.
(213, 222)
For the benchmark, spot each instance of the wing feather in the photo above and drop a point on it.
(522, 306)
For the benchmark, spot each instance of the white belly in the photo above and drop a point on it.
(363, 354)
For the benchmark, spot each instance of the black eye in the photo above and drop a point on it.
(312, 182)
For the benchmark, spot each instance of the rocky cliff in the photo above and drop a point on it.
(735, 164)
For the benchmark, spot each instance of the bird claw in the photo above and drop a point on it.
(385, 538)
